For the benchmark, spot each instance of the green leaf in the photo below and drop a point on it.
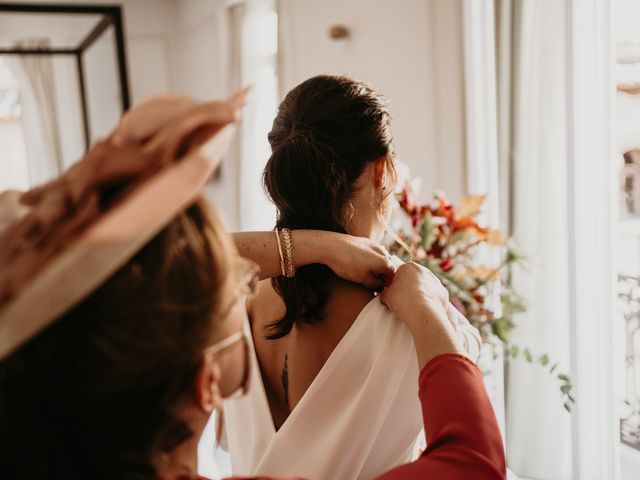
(565, 388)
(501, 328)
(527, 355)
(567, 407)
(544, 360)
(514, 351)
(427, 232)
(512, 302)
(564, 377)
(553, 369)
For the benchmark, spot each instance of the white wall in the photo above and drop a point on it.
(200, 67)
(411, 51)
(174, 45)
(180, 46)
(148, 35)
(449, 112)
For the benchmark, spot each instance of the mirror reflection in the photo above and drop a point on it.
(64, 85)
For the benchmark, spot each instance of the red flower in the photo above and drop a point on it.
(407, 201)
(414, 210)
(446, 264)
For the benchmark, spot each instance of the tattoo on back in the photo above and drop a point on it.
(285, 379)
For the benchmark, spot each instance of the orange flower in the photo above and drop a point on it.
(496, 238)
(471, 205)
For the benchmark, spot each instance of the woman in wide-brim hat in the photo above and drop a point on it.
(123, 319)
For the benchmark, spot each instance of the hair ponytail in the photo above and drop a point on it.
(328, 129)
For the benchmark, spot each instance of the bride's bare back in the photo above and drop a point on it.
(289, 365)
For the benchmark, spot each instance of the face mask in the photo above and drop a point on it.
(218, 347)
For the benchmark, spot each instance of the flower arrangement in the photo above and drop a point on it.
(474, 264)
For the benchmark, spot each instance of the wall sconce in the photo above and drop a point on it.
(339, 32)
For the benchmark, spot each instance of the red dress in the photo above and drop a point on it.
(463, 438)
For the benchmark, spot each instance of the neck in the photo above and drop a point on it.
(365, 226)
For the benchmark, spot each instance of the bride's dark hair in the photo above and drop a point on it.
(327, 130)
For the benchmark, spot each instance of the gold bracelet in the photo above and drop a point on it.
(280, 253)
(287, 240)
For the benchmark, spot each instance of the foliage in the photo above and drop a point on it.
(474, 263)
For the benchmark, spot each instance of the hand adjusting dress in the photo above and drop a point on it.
(360, 416)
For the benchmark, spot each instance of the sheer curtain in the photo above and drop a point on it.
(552, 67)
(34, 74)
(254, 33)
(532, 133)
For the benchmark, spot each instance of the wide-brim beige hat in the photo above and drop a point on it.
(61, 241)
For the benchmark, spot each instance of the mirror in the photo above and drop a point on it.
(59, 65)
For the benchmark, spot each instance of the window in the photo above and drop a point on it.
(627, 244)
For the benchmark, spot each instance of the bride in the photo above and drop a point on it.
(335, 394)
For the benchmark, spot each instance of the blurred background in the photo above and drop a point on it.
(534, 103)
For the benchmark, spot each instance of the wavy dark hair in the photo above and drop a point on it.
(327, 130)
(96, 394)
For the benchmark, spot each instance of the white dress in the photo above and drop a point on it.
(359, 417)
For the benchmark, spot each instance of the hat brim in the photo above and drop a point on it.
(108, 243)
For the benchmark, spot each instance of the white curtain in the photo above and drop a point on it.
(532, 135)
(34, 74)
(254, 44)
(250, 30)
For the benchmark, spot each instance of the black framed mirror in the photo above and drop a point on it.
(67, 65)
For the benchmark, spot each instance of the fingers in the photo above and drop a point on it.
(378, 281)
(382, 275)
(373, 282)
(383, 297)
(387, 278)
(387, 266)
(228, 111)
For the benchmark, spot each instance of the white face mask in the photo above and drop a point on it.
(240, 335)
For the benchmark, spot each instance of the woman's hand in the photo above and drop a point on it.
(355, 259)
(415, 288)
(418, 298)
(359, 260)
